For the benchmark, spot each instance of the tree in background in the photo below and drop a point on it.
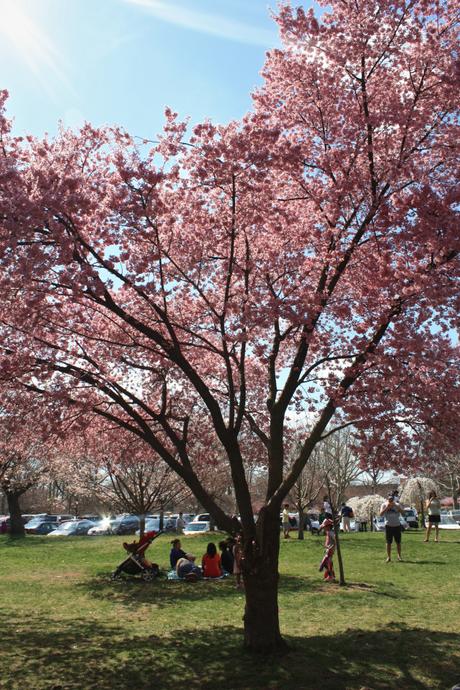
(365, 508)
(120, 472)
(306, 490)
(415, 492)
(25, 450)
(447, 474)
(338, 463)
(300, 261)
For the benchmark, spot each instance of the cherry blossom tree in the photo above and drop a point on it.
(25, 452)
(120, 472)
(415, 492)
(302, 260)
(367, 507)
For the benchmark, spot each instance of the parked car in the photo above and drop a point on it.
(72, 528)
(65, 518)
(124, 524)
(32, 524)
(202, 517)
(448, 522)
(152, 524)
(411, 517)
(101, 527)
(455, 514)
(197, 527)
(354, 525)
(379, 523)
(40, 526)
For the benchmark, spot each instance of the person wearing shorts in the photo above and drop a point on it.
(285, 521)
(433, 506)
(391, 512)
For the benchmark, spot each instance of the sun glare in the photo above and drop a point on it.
(29, 42)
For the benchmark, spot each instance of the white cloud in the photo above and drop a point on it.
(207, 23)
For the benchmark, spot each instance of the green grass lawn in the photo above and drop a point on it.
(66, 626)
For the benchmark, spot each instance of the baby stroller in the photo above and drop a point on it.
(136, 563)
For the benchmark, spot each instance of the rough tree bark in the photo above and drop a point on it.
(16, 523)
(260, 572)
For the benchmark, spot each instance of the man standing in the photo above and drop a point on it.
(285, 521)
(391, 511)
(346, 513)
(180, 524)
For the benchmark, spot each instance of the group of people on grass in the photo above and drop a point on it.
(228, 561)
(213, 564)
(391, 511)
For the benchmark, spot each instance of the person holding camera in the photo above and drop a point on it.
(391, 511)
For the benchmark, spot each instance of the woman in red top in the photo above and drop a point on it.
(211, 562)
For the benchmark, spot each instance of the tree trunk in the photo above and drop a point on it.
(16, 523)
(260, 572)
(422, 514)
(141, 526)
(301, 519)
(339, 553)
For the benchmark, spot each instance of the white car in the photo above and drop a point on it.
(101, 528)
(202, 517)
(379, 523)
(197, 527)
(448, 522)
(354, 526)
(411, 517)
(455, 514)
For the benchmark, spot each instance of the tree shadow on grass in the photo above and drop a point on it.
(131, 591)
(86, 655)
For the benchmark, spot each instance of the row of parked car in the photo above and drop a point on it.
(58, 525)
(93, 525)
(449, 520)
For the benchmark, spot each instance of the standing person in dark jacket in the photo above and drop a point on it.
(347, 514)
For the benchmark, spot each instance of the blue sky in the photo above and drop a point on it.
(123, 61)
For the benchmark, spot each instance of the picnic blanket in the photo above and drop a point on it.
(172, 575)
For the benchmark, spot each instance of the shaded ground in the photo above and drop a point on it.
(66, 626)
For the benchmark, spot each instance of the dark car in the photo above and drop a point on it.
(39, 526)
(32, 524)
(127, 524)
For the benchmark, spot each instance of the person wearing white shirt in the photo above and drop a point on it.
(180, 524)
(391, 511)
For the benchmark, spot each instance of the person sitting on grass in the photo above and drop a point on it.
(211, 563)
(186, 568)
(175, 553)
(226, 557)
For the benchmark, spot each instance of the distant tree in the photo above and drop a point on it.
(415, 492)
(338, 462)
(120, 472)
(365, 508)
(25, 450)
